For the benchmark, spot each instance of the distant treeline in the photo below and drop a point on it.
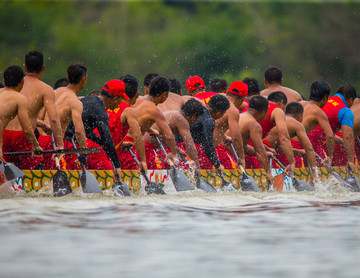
(233, 40)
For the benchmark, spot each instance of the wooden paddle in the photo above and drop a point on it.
(353, 186)
(200, 183)
(88, 181)
(10, 171)
(61, 151)
(299, 185)
(61, 183)
(179, 179)
(151, 187)
(247, 182)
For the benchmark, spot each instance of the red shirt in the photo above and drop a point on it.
(332, 109)
(117, 129)
(205, 96)
(266, 124)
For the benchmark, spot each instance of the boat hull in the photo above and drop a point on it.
(35, 180)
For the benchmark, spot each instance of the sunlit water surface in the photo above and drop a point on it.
(191, 234)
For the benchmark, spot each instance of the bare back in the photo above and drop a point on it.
(248, 126)
(10, 103)
(67, 104)
(291, 94)
(313, 114)
(147, 113)
(172, 103)
(37, 94)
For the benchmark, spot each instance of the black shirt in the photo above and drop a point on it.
(202, 132)
(94, 116)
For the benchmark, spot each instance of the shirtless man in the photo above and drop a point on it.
(148, 114)
(122, 120)
(276, 117)
(253, 90)
(179, 123)
(218, 85)
(14, 104)
(147, 80)
(38, 95)
(69, 109)
(294, 114)
(273, 79)
(314, 116)
(230, 122)
(252, 131)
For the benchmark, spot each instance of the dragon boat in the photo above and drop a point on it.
(35, 180)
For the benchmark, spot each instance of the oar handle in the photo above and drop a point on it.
(187, 162)
(221, 174)
(282, 166)
(57, 161)
(162, 148)
(234, 151)
(138, 164)
(74, 146)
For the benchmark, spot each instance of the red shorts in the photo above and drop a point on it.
(225, 157)
(68, 161)
(97, 161)
(252, 162)
(299, 160)
(15, 141)
(340, 157)
(317, 139)
(203, 160)
(357, 151)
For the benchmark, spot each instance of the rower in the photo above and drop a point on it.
(294, 114)
(123, 119)
(314, 117)
(13, 104)
(38, 95)
(179, 123)
(251, 130)
(148, 114)
(94, 116)
(69, 109)
(337, 109)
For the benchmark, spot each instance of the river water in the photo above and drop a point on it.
(190, 234)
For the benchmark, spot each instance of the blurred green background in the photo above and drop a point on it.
(309, 41)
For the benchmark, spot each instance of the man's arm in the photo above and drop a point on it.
(256, 137)
(166, 131)
(305, 142)
(76, 114)
(131, 117)
(235, 134)
(49, 103)
(323, 122)
(184, 130)
(284, 138)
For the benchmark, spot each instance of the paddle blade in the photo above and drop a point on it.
(180, 180)
(354, 183)
(11, 172)
(301, 185)
(227, 186)
(61, 184)
(248, 183)
(204, 185)
(120, 188)
(89, 183)
(154, 188)
(340, 179)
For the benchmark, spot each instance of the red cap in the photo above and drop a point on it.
(238, 88)
(116, 87)
(194, 83)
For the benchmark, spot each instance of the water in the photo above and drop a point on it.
(192, 234)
